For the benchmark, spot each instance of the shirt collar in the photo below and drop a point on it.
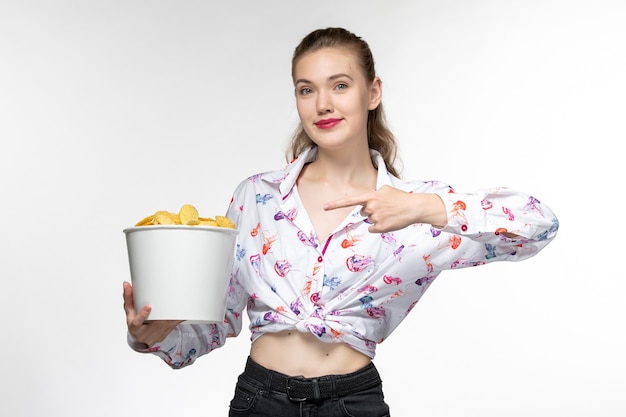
(286, 178)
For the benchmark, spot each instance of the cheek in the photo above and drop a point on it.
(306, 111)
(354, 103)
(304, 108)
(365, 102)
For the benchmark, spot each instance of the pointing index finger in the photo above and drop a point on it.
(345, 202)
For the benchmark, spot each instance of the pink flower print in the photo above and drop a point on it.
(315, 297)
(486, 204)
(307, 240)
(376, 311)
(533, 205)
(270, 316)
(290, 215)
(255, 261)
(459, 262)
(252, 300)
(389, 238)
(282, 267)
(356, 263)
(367, 289)
(388, 279)
(316, 329)
(509, 214)
(296, 305)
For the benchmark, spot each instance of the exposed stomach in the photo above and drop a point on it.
(295, 353)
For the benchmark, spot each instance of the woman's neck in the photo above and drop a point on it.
(351, 168)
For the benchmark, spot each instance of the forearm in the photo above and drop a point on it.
(183, 345)
(490, 214)
(428, 208)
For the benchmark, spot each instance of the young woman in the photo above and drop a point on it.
(334, 250)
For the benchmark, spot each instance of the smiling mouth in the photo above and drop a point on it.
(327, 123)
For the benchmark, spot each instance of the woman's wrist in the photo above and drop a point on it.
(432, 210)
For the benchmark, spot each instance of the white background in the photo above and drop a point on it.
(110, 110)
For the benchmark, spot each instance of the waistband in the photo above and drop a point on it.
(299, 388)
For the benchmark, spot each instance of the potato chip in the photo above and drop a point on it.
(186, 216)
(163, 218)
(146, 221)
(224, 221)
(207, 221)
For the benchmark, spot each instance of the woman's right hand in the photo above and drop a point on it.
(147, 333)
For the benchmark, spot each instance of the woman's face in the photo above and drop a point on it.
(333, 97)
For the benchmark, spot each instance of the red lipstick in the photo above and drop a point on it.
(327, 123)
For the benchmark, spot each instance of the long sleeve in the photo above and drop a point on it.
(488, 216)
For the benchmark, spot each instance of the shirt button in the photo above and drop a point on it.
(320, 259)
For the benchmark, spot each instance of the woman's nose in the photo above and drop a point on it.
(324, 104)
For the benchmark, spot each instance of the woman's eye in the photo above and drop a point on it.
(341, 86)
(305, 90)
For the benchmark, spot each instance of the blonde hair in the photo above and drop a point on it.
(379, 136)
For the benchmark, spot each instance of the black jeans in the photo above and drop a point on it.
(257, 396)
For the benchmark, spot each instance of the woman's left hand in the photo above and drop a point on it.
(390, 209)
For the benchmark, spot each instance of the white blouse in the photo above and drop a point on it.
(357, 286)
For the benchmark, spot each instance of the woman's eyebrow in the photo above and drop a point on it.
(331, 78)
(334, 77)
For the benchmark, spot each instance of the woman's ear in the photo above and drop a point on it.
(376, 93)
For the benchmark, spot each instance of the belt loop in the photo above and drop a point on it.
(333, 387)
(316, 389)
(268, 382)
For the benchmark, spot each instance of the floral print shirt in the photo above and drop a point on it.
(356, 287)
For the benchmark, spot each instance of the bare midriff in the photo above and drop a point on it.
(296, 353)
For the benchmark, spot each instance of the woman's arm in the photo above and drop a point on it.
(179, 344)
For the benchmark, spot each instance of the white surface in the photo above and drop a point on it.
(110, 110)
